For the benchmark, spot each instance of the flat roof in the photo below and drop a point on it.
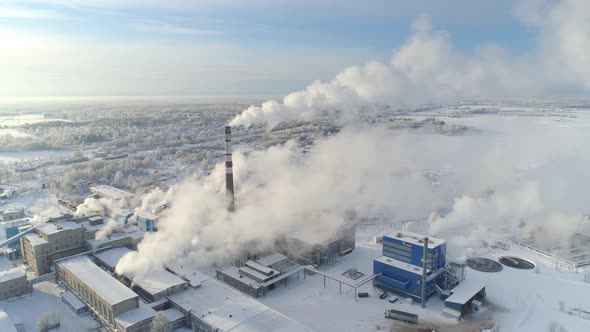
(16, 222)
(465, 291)
(135, 316)
(153, 283)
(226, 309)
(56, 227)
(415, 238)
(172, 314)
(112, 256)
(271, 259)
(12, 274)
(35, 240)
(400, 265)
(158, 281)
(73, 300)
(194, 276)
(102, 283)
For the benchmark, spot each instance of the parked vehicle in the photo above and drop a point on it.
(403, 316)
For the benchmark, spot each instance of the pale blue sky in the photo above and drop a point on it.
(207, 47)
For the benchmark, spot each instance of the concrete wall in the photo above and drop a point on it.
(14, 287)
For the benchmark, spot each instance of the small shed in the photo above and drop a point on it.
(462, 295)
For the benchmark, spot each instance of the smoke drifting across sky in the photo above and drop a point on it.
(428, 69)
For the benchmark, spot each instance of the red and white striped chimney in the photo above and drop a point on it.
(229, 174)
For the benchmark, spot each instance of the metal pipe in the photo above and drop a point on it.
(424, 263)
(229, 174)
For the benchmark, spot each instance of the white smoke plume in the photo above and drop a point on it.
(111, 210)
(428, 69)
(358, 172)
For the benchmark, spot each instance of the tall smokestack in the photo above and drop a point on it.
(424, 263)
(229, 174)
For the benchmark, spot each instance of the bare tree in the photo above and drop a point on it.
(160, 324)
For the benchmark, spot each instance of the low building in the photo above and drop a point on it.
(107, 298)
(74, 303)
(127, 238)
(464, 295)
(310, 247)
(216, 307)
(136, 320)
(13, 213)
(257, 277)
(13, 283)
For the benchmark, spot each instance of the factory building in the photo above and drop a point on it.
(155, 286)
(400, 269)
(13, 283)
(464, 298)
(216, 307)
(113, 304)
(51, 241)
(257, 277)
(13, 214)
(308, 249)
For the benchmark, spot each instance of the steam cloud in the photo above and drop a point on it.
(376, 174)
(428, 69)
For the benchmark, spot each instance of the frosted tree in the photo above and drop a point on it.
(160, 324)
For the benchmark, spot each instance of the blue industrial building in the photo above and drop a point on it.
(147, 222)
(399, 270)
(11, 228)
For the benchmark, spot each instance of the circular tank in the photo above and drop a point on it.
(517, 262)
(483, 264)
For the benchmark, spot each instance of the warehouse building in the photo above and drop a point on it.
(257, 277)
(13, 283)
(216, 307)
(400, 269)
(113, 304)
(152, 287)
(13, 213)
(464, 298)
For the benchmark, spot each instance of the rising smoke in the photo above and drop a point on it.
(376, 174)
(428, 69)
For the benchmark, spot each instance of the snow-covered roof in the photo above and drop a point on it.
(400, 265)
(158, 281)
(271, 259)
(11, 274)
(153, 283)
(35, 240)
(172, 314)
(73, 300)
(135, 316)
(102, 283)
(465, 291)
(195, 277)
(415, 238)
(58, 226)
(112, 256)
(226, 309)
(16, 222)
(111, 192)
(6, 325)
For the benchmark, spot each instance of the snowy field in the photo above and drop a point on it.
(45, 299)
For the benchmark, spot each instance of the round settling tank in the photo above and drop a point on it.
(517, 262)
(483, 264)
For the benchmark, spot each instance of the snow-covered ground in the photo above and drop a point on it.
(33, 201)
(45, 299)
(520, 300)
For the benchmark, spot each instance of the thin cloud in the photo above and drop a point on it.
(27, 13)
(167, 28)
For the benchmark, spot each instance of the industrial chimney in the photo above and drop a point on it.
(229, 174)
(424, 264)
